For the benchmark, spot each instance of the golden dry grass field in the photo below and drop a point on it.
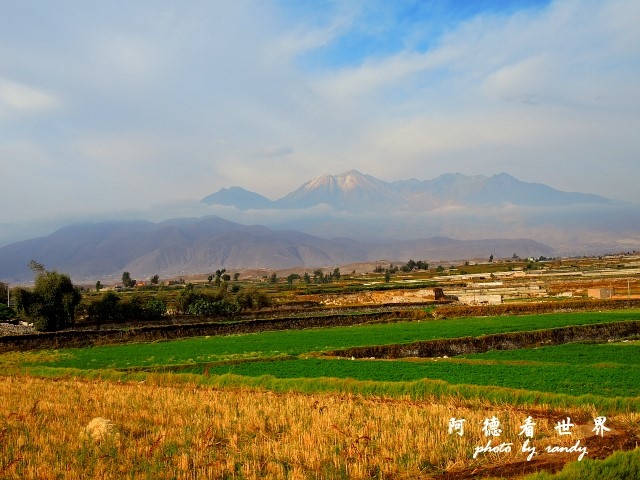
(159, 430)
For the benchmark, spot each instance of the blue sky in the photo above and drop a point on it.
(120, 109)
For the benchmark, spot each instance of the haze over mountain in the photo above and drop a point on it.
(237, 197)
(355, 191)
(334, 220)
(93, 251)
(454, 205)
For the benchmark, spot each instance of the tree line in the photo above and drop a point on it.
(54, 302)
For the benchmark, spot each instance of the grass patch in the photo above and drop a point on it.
(619, 466)
(621, 353)
(574, 380)
(297, 342)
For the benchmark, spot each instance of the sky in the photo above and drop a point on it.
(119, 108)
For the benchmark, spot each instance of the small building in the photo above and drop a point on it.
(599, 293)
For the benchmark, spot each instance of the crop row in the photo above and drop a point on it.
(627, 353)
(296, 342)
(575, 380)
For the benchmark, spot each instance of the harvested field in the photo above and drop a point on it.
(188, 432)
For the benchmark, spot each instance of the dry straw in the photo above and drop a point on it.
(146, 430)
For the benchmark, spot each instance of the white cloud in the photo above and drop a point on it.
(155, 100)
(16, 97)
(276, 151)
(365, 79)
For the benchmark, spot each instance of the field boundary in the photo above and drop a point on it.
(147, 333)
(124, 334)
(497, 341)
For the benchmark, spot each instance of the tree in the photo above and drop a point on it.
(318, 276)
(105, 310)
(306, 278)
(219, 274)
(491, 258)
(292, 277)
(422, 265)
(4, 292)
(36, 268)
(98, 286)
(274, 278)
(387, 276)
(127, 281)
(236, 276)
(411, 264)
(154, 280)
(336, 273)
(52, 303)
(186, 297)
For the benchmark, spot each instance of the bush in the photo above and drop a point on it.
(6, 313)
(155, 308)
(213, 308)
(105, 310)
(253, 299)
(187, 297)
(110, 309)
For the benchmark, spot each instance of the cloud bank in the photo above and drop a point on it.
(121, 106)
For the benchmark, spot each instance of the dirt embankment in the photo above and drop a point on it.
(125, 334)
(499, 341)
(524, 308)
(178, 327)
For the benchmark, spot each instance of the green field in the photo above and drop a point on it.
(297, 342)
(620, 353)
(579, 375)
(293, 359)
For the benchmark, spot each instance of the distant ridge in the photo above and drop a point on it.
(446, 218)
(98, 251)
(355, 191)
(237, 197)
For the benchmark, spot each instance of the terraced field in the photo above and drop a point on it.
(298, 342)
(602, 371)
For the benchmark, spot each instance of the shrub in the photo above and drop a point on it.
(155, 308)
(111, 309)
(105, 310)
(253, 299)
(6, 313)
(213, 308)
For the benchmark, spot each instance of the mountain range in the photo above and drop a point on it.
(354, 191)
(453, 205)
(91, 251)
(336, 220)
